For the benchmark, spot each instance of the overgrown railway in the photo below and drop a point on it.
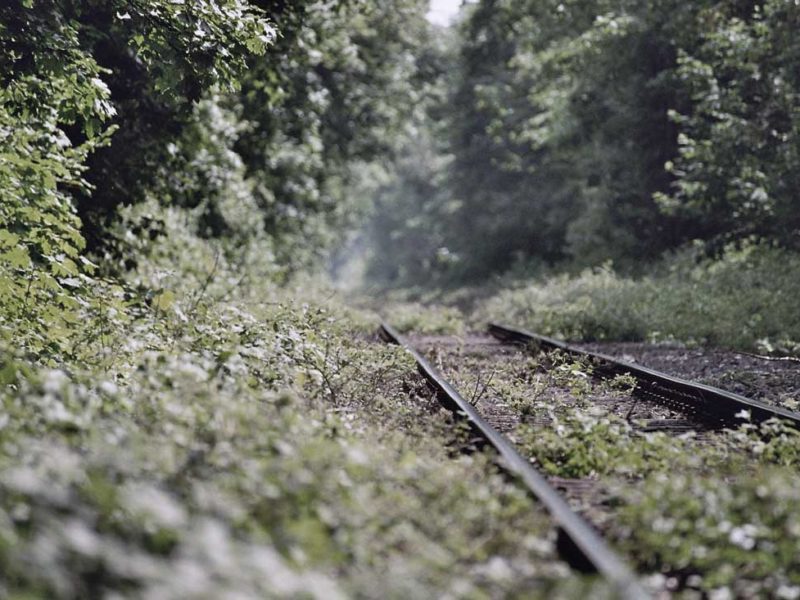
(656, 402)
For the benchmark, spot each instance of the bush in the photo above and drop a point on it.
(745, 299)
(744, 546)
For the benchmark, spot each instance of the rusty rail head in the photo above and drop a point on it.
(581, 536)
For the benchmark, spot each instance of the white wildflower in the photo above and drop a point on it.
(192, 371)
(101, 85)
(788, 592)
(54, 381)
(744, 536)
(81, 539)
(109, 387)
(722, 593)
(357, 456)
(154, 505)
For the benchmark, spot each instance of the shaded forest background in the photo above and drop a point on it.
(577, 133)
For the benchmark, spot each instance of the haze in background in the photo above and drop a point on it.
(443, 11)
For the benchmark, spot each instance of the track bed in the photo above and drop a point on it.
(772, 380)
(598, 442)
(519, 393)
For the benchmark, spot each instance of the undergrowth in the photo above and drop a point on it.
(735, 537)
(745, 300)
(203, 432)
(676, 504)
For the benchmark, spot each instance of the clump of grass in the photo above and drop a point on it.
(745, 299)
(419, 318)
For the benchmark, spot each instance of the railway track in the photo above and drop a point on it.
(674, 404)
(710, 405)
(581, 538)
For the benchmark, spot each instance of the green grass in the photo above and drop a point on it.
(744, 300)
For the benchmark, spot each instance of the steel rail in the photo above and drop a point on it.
(714, 406)
(584, 538)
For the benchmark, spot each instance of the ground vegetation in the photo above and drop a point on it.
(188, 410)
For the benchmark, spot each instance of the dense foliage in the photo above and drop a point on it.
(227, 440)
(58, 113)
(586, 131)
(342, 80)
(248, 115)
(744, 299)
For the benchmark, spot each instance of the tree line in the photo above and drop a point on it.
(249, 114)
(574, 133)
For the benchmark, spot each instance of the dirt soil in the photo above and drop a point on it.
(776, 382)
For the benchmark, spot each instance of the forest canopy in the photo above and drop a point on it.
(529, 134)
(248, 115)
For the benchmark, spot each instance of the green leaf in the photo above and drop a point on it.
(8, 239)
(164, 300)
(17, 257)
